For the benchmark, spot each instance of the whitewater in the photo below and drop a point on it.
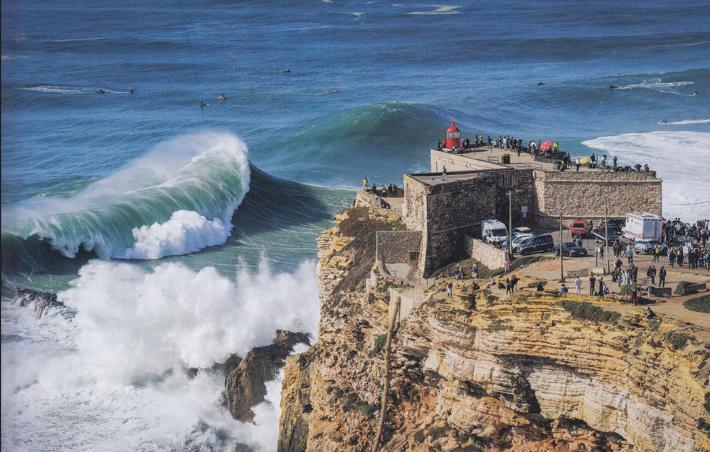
(680, 159)
(173, 243)
(177, 198)
(109, 371)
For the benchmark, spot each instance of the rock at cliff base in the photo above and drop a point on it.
(245, 383)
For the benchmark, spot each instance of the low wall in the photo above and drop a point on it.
(488, 255)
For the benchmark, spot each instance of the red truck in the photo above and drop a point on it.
(580, 228)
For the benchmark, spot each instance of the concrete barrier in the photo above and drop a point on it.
(660, 291)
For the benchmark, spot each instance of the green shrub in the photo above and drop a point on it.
(378, 344)
(699, 304)
(583, 310)
(683, 288)
(678, 340)
(654, 323)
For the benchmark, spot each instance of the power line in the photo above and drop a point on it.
(688, 204)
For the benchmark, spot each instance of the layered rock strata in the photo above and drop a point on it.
(525, 373)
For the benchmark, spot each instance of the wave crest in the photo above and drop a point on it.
(204, 173)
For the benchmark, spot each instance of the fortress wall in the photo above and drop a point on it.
(394, 247)
(413, 205)
(454, 162)
(581, 195)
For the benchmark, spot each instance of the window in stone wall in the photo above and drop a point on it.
(413, 256)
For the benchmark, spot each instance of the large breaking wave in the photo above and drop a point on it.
(176, 199)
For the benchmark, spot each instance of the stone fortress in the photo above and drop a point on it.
(446, 211)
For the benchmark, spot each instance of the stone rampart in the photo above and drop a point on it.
(582, 195)
(398, 247)
(484, 253)
(454, 162)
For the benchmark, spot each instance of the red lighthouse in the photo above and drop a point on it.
(453, 136)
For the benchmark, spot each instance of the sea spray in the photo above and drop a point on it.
(678, 157)
(205, 173)
(112, 375)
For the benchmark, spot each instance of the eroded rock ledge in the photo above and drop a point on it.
(525, 373)
(245, 378)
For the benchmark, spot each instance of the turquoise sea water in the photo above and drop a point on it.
(120, 190)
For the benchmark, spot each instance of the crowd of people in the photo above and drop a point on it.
(390, 190)
(534, 148)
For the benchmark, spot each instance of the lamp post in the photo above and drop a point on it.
(510, 226)
(562, 258)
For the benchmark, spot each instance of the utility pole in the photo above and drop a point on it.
(562, 258)
(606, 235)
(510, 226)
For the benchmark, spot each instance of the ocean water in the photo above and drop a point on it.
(177, 234)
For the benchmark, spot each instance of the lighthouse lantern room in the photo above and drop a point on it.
(453, 136)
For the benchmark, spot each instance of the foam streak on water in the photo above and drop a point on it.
(680, 159)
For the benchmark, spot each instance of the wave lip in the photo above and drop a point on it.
(677, 156)
(175, 199)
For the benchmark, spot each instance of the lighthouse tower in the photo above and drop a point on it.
(453, 136)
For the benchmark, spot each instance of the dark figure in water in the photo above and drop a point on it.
(540, 83)
(203, 104)
(612, 86)
(286, 71)
(222, 98)
(132, 91)
(100, 91)
(696, 92)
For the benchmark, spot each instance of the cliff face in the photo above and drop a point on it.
(527, 373)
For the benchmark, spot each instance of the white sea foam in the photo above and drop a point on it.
(113, 376)
(139, 211)
(59, 89)
(680, 159)
(438, 9)
(185, 232)
(685, 122)
(656, 84)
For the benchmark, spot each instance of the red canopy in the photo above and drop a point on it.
(546, 146)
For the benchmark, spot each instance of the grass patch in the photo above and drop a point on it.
(678, 340)
(583, 310)
(483, 271)
(683, 288)
(699, 304)
(378, 345)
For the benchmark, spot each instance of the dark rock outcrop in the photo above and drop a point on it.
(245, 382)
(42, 300)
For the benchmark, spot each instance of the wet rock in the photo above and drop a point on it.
(245, 379)
(42, 300)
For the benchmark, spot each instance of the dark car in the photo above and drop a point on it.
(537, 244)
(612, 233)
(571, 249)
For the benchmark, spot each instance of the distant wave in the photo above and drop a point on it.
(685, 122)
(60, 89)
(677, 157)
(440, 9)
(655, 84)
(176, 199)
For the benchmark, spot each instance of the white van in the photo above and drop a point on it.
(493, 231)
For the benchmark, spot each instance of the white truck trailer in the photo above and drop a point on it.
(643, 226)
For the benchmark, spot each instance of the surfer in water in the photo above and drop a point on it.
(696, 92)
(132, 91)
(100, 91)
(203, 104)
(540, 83)
(612, 86)
(333, 90)
(222, 98)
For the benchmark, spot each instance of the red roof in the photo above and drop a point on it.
(452, 127)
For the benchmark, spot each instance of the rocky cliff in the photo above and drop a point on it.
(529, 372)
